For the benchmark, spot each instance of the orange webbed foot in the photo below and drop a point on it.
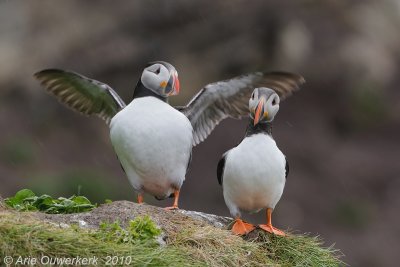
(242, 228)
(175, 206)
(270, 229)
(172, 208)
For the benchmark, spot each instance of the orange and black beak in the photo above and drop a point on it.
(177, 85)
(259, 112)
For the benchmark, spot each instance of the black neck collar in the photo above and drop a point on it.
(142, 91)
(261, 127)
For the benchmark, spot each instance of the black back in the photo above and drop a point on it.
(286, 168)
(221, 168)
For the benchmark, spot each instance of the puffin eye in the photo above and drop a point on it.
(156, 69)
(252, 96)
(275, 101)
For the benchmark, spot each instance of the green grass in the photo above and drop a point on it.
(215, 247)
(197, 245)
(29, 238)
(299, 250)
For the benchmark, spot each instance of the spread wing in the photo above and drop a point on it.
(80, 93)
(230, 98)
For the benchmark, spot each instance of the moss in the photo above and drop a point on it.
(139, 229)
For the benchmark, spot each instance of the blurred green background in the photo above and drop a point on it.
(340, 132)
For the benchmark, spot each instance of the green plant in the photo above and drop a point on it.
(138, 230)
(26, 200)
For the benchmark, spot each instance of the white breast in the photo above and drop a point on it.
(254, 175)
(153, 141)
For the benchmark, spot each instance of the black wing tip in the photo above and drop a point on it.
(297, 81)
(297, 77)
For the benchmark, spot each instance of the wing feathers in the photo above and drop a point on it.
(229, 98)
(80, 93)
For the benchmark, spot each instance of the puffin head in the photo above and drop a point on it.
(263, 105)
(161, 78)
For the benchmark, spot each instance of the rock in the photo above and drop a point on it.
(124, 211)
(212, 219)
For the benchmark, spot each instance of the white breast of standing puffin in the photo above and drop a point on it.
(254, 175)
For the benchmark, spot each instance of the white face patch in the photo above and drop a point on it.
(271, 105)
(253, 101)
(155, 78)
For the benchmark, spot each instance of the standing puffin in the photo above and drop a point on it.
(253, 174)
(153, 140)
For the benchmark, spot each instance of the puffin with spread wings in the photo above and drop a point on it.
(152, 139)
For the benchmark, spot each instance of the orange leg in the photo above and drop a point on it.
(268, 227)
(140, 198)
(241, 228)
(176, 198)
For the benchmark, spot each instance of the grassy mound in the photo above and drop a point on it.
(26, 237)
(188, 241)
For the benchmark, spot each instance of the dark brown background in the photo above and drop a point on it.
(340, 132)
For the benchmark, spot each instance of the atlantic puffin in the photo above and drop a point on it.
(152, 139)
(253, 174)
